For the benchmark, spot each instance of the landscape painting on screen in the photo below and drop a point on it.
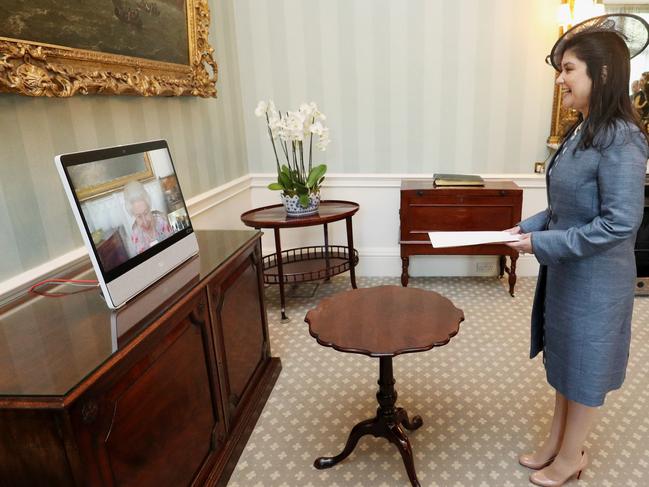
(156, 30)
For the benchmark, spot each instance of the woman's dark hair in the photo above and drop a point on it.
(608, 66)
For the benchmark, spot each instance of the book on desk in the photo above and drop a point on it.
(457, 180)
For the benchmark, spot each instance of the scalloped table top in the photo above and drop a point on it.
(384, 321)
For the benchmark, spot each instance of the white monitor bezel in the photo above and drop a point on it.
(121, 285)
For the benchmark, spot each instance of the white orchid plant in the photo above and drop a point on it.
(292, 131)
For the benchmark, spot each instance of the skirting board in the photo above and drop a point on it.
(376, 225)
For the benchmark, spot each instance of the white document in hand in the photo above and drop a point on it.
(460, 239)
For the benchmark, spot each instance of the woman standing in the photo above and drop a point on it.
(584, 240)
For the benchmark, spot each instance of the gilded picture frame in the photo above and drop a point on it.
(562, 119)
(37, 68)
(93, 182)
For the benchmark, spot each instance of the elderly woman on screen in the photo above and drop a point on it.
(149, 226)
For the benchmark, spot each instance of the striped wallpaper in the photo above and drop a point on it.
(411, 86)
(205, 136)
(415, 86)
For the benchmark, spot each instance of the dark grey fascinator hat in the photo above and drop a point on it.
(633, 30)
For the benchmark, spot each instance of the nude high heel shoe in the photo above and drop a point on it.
(526, 461)
(539, 478)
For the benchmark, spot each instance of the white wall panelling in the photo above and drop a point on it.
(376, 225)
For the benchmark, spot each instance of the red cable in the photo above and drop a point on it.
(33, 289)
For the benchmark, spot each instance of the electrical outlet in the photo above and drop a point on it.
(485, 267)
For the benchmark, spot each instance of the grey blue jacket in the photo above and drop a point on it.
(584, 241)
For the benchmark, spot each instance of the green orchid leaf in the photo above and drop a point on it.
(297, 178)
(310, 182)
(276, 187)
(304, 200)
(316, 173)
(301, 188)
(285, 181)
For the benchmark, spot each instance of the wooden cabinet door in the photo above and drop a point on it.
(241, 332)
(155, 420)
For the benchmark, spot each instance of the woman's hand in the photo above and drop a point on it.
(524, 245)
(514, 230)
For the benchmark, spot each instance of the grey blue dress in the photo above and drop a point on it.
(584, 241)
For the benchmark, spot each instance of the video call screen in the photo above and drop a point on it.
(130, 204)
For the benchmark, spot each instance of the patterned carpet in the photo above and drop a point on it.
(482, 401)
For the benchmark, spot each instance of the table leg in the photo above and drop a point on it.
(512, 273)
(350, 244)
(326, 240)
(405, 261)
(502, 260)
(387, 424)
(280, 272)
(367, 427)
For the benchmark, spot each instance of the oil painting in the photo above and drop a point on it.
(150, 29)
(145, 47)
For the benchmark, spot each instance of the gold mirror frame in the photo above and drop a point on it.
(37, 69)
(562, 119)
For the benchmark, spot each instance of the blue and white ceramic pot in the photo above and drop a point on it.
(294, 208)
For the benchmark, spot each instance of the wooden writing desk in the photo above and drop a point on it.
(425, 208)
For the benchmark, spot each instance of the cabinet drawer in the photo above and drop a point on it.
(427, 218)
(439, 198)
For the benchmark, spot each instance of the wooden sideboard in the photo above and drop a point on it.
(164, 392)
(425, 208)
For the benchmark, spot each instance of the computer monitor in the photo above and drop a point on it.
(132, 215)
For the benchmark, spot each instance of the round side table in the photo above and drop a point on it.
(304, 264)
(382, 322)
